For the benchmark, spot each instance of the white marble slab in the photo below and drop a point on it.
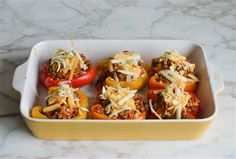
(26, 22)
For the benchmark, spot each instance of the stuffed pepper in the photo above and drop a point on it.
(125, 69)
(172, 68)
(119, 103)
(173, 103)
(63, 102)
(69, 67)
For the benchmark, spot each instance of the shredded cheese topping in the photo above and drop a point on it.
(176, 99)
(63, 94)
(174, 56)
(127, 63)
(178, 61)
(121, 99)
(68, 60)
(172, 76)
(126, 56)
(152, 109)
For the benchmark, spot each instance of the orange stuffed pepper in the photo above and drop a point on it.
(172, 68)
(63, 102)
(125, 69)
(119, 103)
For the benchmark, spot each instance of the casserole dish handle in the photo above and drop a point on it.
(216, 79)
(19, 77)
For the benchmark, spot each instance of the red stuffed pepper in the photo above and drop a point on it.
(70, 67)
(173, 103)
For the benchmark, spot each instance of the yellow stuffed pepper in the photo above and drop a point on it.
(125, 69)
(63, 102)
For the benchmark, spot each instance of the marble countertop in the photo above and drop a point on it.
(208, 22)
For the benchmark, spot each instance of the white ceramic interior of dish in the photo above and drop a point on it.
(33, 92)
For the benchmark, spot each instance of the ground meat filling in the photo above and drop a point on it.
(140, 103)
(161, 108)
(64, 112)
(192, 106)
(101, 79)
(52, 70)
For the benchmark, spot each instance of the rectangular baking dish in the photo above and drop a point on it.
(32, 93)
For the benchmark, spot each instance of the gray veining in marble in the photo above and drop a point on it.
(212, 23)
